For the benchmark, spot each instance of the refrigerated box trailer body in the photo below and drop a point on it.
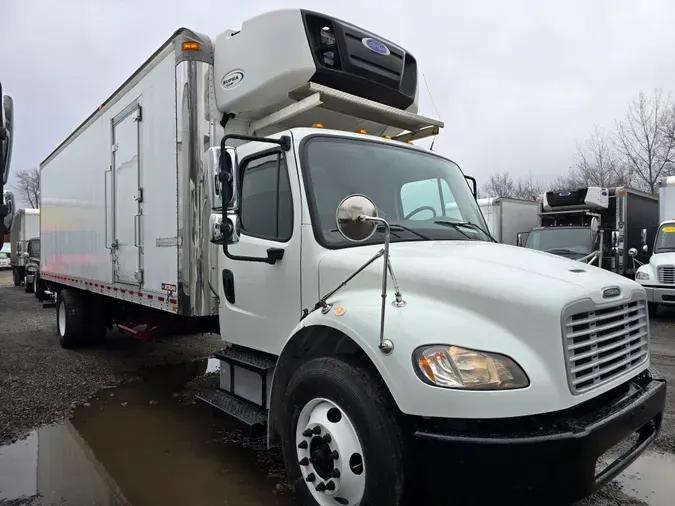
(134, 228)
(506, 217)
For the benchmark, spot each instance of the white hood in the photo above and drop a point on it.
(465, 272)
(662, 259)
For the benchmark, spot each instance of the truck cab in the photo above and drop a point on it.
(658, 275)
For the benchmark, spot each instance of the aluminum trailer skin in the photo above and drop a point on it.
(596, 225)
(658, 275)
(506, 217)
(273, 196)
(25, 226)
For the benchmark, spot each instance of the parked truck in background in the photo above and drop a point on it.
(506, 217)
(6, 142)
(274, 197)
(658, 275)
(596, 225)
(25, 226)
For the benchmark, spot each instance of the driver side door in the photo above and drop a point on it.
(261, 302)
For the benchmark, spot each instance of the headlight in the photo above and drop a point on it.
(30, 269)
(641, 275)
(455, 367)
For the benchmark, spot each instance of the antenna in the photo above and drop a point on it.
(438, 115)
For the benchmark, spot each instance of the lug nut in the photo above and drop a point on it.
(320, 487)
(316, 430)
(304, 461)
(334, 455)
(310, 477)
(330, 485)
(307, 433)
(327, 439)
(335, 473)
(303, 445)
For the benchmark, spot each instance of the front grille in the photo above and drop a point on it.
(666, 274)
(602, 343)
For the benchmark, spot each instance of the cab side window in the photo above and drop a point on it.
(266, 205)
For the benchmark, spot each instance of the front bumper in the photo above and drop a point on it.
(554, 457)
(660, 295)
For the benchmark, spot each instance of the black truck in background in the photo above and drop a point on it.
(596, 226)
(6, 140)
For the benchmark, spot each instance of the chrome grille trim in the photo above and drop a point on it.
(666, 274)
(604, 341)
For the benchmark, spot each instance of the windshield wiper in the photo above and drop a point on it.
(563, 250)
(396, 226)
(457, 224)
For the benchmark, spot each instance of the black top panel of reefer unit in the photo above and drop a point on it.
(355, 61)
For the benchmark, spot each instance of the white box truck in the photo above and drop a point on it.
(658, 275)
(506, 217)
(261, 184)
(25, 226)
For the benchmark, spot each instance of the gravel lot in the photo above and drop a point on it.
(41, 383)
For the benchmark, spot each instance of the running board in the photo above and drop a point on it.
(252, 418)
(247, 374)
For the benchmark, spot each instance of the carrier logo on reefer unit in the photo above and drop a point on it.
(232, 79)
(611, 292)
(376, 46)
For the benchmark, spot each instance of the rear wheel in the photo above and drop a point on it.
(70, 318)
(339, 422)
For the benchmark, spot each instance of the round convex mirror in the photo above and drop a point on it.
(349, 218)
(632, 252)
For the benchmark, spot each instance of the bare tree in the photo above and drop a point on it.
(642, 139)
(596, 163)
(502, 184)
(27, 186)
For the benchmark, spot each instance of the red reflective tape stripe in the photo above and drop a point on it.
(172, 301)
(160, 298)
(150, 296)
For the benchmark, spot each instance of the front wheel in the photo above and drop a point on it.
(338, 426)
(17, 276)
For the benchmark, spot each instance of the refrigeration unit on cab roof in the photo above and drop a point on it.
(592, 197)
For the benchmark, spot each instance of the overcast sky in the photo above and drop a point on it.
(516, 82)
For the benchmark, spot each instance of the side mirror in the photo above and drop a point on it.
(645, 248)
(11, 205)
(632, 252)
(643, 236)
(351, 218)
(227, 179)
(8, 124)
(521, 238)
(215, 222)
(211, 168)
(471, 181)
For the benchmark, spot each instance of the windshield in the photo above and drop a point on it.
(573, 242)
(665, 239)
(422, 196)
(3, 256)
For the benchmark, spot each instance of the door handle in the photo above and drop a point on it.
(105, 206)
(137, 230)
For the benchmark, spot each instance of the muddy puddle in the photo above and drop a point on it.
(650, 479)
(141, 444)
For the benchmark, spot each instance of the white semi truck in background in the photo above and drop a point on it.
(261, 184)
(658, 275)
(6, 142)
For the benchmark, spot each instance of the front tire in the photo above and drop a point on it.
(70, 318)
(17, 276)
(28, 287)
(338, 424)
